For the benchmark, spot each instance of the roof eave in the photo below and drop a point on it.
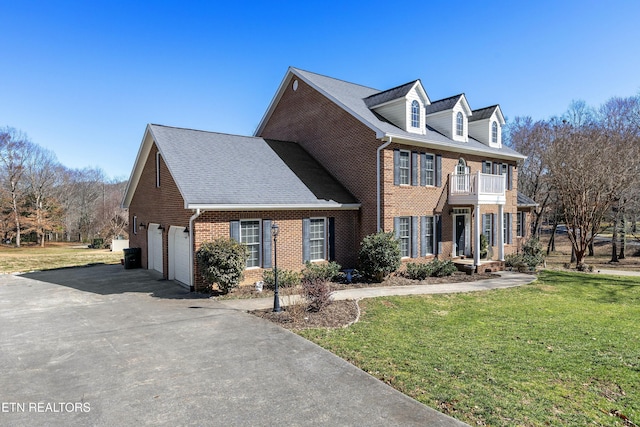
(272, 207)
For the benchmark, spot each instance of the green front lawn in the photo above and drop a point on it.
(564, 350)
(54, 255)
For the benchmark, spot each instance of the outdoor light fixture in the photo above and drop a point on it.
(161, 227)
(276, 298)
(142, 225)
(186, 229)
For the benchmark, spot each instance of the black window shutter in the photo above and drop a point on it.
(438, 219)
(523, 225)
(423, 169)
(396, 167)
(438, 170)
(396, 227)
(332, 239)
(510, 178)
(414, 168)
(423, 236)
(306, 224)
(234, 230)
(414, 237)
(493, 229)
(266, 243)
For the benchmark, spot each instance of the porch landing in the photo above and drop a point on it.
(486, 266)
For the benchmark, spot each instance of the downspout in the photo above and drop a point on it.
(378, 195)
(191, 243)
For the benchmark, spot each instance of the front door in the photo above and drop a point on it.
(460, 243)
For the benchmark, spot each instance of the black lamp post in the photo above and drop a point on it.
(276, 298)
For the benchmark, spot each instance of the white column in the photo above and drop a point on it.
(476, 241)
(501, 232)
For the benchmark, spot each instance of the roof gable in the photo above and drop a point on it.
(214, 169)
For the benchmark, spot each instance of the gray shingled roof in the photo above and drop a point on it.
(219, 169)
(525, 201)
(389, 95)
(352, 97)
(443, 104)
(482, 113)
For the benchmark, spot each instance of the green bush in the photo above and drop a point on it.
(435, 268)
(532, 256)
(97, 243)
(484, 246)
(379, 255)
(418, 271)
(325, 271)
(286, 278)
(222, 262)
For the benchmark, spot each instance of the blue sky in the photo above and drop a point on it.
(84, 78)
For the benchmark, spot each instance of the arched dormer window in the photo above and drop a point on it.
(459, 124)
(415, 114)
(494, 132)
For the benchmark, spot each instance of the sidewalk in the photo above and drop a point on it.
(618, 272)
(507, 279)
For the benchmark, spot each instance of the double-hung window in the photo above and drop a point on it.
(405, 167)
(486, 166)
(487, 227)
(415, 114)
(317, 236)
(494, 132)
(429, 235)
(250, 237)
(429, 169)
(404, 236)
(459, 124)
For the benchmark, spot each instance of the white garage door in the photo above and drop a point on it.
(179, 255)
(154, 246)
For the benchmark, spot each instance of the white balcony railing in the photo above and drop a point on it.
(477, 188)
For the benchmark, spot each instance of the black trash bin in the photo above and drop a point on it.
(132, 258)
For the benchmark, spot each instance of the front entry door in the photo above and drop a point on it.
(460, 243)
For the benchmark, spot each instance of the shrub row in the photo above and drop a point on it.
(435, 268)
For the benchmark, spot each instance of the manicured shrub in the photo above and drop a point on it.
(435, 268)
(379, 256)
(317, 293)
(442, 268)
(531, 256)
(484, 246)
(222, 262)
(325, 271)
(417, 271)
(286, 278)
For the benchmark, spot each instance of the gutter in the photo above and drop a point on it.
(378, 184)
(191, 243)
(274, 207)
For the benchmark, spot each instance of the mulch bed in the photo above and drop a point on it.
(339, 313)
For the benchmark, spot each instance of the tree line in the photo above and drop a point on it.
(583, 170)
(41, 200)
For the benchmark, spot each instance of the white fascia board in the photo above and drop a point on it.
(402, 139)
(138, 165)
(498, 112)
(423, 92)
(465, 105)
(232, 207)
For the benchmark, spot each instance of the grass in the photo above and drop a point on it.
(564, 350)
(55, 255)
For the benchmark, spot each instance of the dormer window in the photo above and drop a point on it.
(494, 132)
(415, 114)
(459, 124)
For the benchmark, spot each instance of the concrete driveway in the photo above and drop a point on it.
(105, 346)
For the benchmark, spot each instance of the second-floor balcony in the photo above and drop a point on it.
(477, 188)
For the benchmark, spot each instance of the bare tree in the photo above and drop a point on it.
(588, 176)
(40, 176)
(14, 151)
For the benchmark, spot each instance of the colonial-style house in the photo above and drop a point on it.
(330, 162)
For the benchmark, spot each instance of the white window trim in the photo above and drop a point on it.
(484, 228)
(519, 224)
(415, 124)
(461, 134)
(433, 164)
(260, 243)
(400, 238)
(324, 239)
(494, 132)
(408, 168)
(433, 234)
